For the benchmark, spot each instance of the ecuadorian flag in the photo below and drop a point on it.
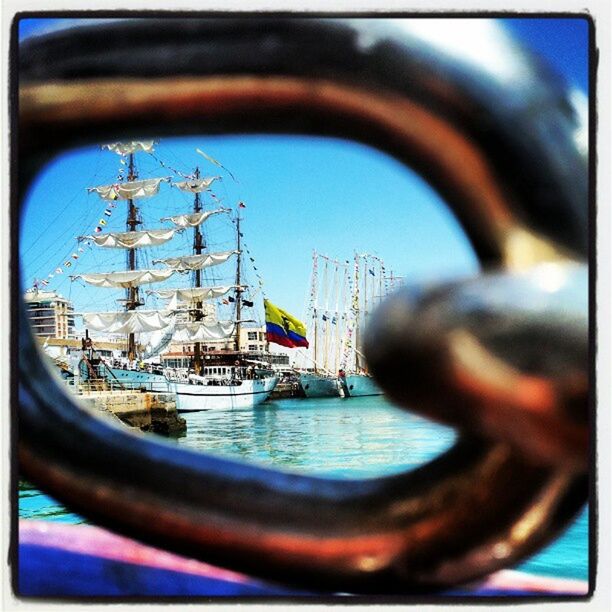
(283, 328)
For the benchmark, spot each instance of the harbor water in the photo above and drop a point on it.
(353, 438)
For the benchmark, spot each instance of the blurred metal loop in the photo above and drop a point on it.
(503, 358)
(504, 355)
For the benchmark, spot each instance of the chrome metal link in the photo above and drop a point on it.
(503, 358)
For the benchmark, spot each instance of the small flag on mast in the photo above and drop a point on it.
(212, 160)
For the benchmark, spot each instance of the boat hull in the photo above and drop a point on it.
(358, 385)
(133, 379)
(315, 385)
(247, 394)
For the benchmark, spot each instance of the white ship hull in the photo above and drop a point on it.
(316, 385)
(247, 394)
(358, 385)
(134, 379)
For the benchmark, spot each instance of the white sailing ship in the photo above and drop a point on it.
(327, 312)
(188, 317)
(369, 288)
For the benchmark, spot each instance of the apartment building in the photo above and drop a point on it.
(50, 314)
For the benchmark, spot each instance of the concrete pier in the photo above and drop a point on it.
(154, 412)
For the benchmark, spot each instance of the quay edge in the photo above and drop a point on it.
(149, 412)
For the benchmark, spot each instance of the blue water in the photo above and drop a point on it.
(356, 438)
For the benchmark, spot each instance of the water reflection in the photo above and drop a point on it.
(33, 504)
(360, 437)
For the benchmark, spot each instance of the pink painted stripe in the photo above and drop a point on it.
(95, 541)
(515, 580)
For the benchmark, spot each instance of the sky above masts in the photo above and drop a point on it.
(300, 193)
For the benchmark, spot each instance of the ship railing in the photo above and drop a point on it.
(91, 387)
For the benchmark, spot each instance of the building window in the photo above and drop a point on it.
(252, 336)
(252, 347)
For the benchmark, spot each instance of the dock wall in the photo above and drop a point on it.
(155, 412)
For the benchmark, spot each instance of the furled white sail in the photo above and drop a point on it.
(158, 342)
(129, 278)
(202, 332)
(192, 294)
(129, 190)
(132, 321)
(194, 219)
(125, 148)
(196, 262)
(133, 240)
(196, 185)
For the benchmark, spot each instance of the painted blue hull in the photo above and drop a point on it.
(359, 385)
(134, 379)
(317, 385)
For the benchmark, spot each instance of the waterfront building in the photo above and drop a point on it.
(58, 348)
(51, 315)
(253, 339)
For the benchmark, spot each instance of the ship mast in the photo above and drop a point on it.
(197, 249)
(315, 298)
(380, 281)
(340, 308)
(325, 312)
(132, 293)
(356, 312)
(238, 280)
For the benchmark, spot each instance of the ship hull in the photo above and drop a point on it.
(315, 385)
(133, 379)
(358, 385)
(247, 394)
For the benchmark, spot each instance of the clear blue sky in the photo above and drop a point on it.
(301, 193)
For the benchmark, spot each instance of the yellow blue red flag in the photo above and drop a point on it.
(283, 328)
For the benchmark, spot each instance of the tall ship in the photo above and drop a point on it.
(369, 289)
(327, 312)
(190, 311)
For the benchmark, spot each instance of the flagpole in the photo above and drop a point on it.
(238, 289)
